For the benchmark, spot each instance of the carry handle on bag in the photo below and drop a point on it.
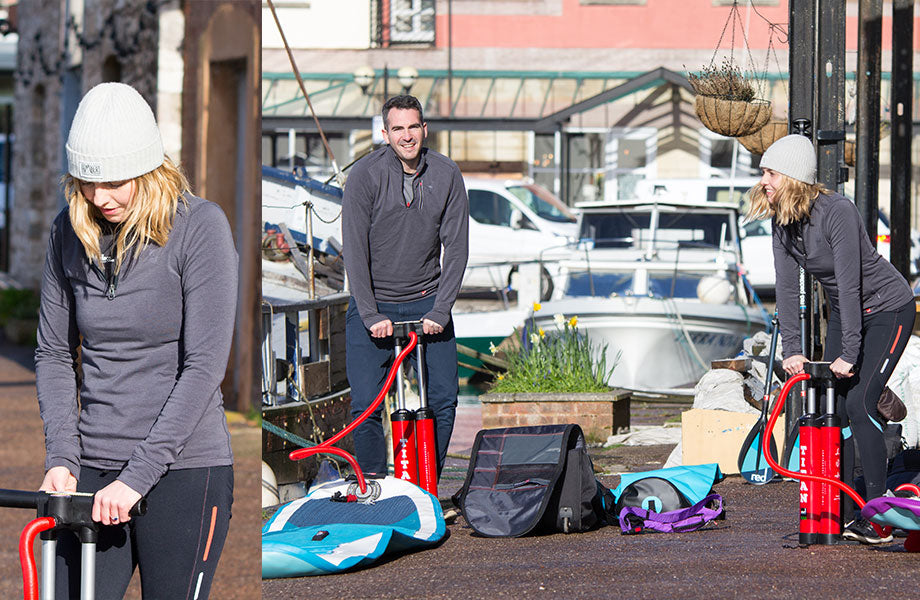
(634, 519)
(55, 511)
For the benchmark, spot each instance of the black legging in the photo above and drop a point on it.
(175, 545)
(884, 337)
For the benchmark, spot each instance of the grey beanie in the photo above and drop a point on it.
(114, 135)
(792, 155)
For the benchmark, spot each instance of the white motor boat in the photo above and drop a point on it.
(657, 282)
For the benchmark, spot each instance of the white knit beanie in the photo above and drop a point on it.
(114, 135)
(792, 155)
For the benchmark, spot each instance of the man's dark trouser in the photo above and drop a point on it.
(367, 361)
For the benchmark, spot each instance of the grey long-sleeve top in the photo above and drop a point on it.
(393, 251)
(152, 357)
(835, 249)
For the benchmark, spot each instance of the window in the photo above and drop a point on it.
(412, 21)
(630, 157)
(718, 154)
(489, 208)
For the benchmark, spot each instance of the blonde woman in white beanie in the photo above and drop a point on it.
(137, 310)
(871, 305)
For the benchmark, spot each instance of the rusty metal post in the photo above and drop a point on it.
(868, 88)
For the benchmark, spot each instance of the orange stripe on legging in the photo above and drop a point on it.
(207, 547)
(896, 338)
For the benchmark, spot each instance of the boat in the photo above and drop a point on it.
(656, 280)
(305, 393)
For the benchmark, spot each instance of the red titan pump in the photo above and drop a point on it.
(819, 456)
(414, 450)
(57, 511)
(413, 431)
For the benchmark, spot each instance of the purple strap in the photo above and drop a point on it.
(634, 519)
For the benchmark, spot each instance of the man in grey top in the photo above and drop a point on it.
(405, 224)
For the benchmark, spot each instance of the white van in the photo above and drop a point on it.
(512, 222)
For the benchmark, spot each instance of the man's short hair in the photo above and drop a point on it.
(404, 101)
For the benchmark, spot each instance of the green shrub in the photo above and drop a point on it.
(561, 361)
(18, 304)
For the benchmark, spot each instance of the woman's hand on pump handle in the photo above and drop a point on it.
(796, 364)
(841, 368)
(59, 479)
(113, 503)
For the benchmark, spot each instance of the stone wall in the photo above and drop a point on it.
(55, 66)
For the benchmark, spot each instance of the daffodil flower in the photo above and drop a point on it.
(534, 338)
(541, 332)
(559, 319)
(501, 376)
(492, 348)
(573, 322)
(537, 306)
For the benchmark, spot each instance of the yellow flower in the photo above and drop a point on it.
(541, 332)
(492, 348)
(537, 306)
(501, 376)
(573, 322)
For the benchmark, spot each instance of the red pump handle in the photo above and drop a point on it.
(326, 446)
(26, 559)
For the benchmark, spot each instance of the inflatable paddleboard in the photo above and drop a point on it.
(335, 527)
(903, 513)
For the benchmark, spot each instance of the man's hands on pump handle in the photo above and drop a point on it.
(385, 328)
(795, 364)
(112, 504)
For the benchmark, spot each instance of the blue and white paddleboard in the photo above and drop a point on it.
(316, 535)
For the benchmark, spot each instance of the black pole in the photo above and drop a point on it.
(902, 56)
(830, 69)
(802, 43)
(868, 88)
(802, 32)
(831, 79)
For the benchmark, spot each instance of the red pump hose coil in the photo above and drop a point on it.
(26, 559)
(326, 446)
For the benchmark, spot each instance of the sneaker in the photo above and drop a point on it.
(863, 532)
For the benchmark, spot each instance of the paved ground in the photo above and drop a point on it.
(21, 460)
(753, 553)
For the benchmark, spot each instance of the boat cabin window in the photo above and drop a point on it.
(599, 284)
(683, 284)
(489, 208)
(630, 229)
(661, 284)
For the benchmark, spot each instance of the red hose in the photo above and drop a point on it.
(26, 559)
(326, 446)
(768, 435)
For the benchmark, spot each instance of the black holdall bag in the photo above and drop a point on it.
(535, 479)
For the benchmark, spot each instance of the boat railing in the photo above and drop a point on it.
(295, 354)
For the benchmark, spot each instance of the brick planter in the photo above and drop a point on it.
(599, 414)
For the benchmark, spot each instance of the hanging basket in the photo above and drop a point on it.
(759, 141)
(849, 146)
(733, 118)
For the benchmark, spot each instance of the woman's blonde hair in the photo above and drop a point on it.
(792, 201)
(148, 217)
